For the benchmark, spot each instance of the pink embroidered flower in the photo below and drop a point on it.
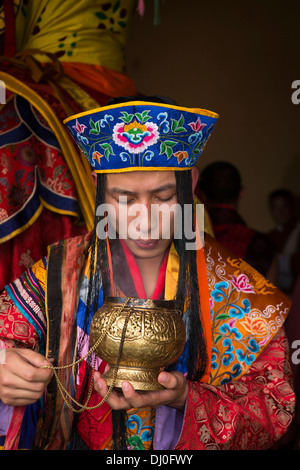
(263, 342)
(79, 127)
(242, 284)
(135, 137)
(197, 126)
(231, 323)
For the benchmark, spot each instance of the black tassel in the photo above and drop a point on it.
(119, 418)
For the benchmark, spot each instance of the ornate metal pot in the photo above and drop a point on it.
(153, 337)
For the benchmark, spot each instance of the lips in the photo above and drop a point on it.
(146, 244)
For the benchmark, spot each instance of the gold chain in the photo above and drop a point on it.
(65, 393)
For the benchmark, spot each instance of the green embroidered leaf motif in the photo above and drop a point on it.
(169, 152)
(166, 147)
(101, 15)
(58, 171)
(181, 121)
(116, 6)
(177, 126)
(136, 443)
(222, 316)
(95, 127)
(143, 117)
(218, 338)
(82, 148)
(198, 146)
(170, 143)
(107, 150)
(126, 117)
(162, 148)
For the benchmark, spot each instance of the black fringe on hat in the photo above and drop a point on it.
(188, 287)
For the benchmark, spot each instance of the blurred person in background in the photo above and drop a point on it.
(220, 189)
(286, 238)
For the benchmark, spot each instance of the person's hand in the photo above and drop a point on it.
(174, 393)
(22, 381)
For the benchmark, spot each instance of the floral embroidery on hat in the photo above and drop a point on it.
(142, 135)
(135, 134)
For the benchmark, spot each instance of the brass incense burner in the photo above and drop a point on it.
(139, 338)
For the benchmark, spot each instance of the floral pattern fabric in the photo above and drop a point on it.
(37, 189)
(87, 31)
(249, 402)
(246, 312)
(247, 414)
(28, 294)
(15, 330)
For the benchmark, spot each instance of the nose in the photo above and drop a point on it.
(155, 221)
(145, 220)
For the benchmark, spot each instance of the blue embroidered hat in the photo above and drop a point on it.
(139, 135)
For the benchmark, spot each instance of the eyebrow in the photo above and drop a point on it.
(164, 187)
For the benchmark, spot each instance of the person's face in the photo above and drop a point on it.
(281, 210)
(136, 196)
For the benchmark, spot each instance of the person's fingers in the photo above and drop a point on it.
(34, 358)
(16, 391)
(115, 400)
(2, 356)
(174, 393)
(10, 380)
(22, 381)
(167, 380)
(138, 399)
(177, 383)
(28, 365)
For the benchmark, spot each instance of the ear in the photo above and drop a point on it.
(94, 178)
(195, 177)
(242, 193)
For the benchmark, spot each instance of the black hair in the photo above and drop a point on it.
(220, 182)
(281, 193)
(150, 99)
(188, 286)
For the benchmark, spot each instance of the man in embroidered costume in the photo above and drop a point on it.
(231, 387)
